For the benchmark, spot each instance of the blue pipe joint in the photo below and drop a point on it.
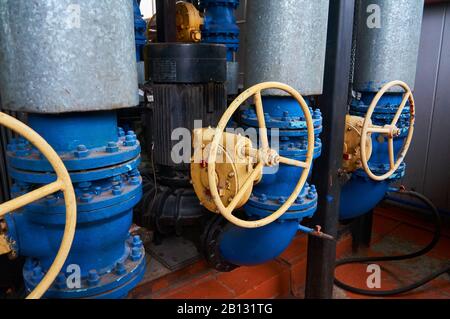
(285, 114)
(277, 183)
(140, 28)
(84, 141)
(220, 25)
(253, 246)
(361, 194)
(102, 161)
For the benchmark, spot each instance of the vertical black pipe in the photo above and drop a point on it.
(166, 28)
(361, 229)
(333, 104)
(4, 177)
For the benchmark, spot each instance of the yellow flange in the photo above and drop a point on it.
(264, 156)
(62, 183)
(352, 143)
(188, 21)
(390, 131)
(233, 167)
(5, 245)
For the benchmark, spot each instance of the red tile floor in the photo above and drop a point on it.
(395, 231)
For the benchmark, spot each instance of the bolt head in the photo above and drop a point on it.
(60, 281)
(112, 147)
(116, 190)
(120, 268)
(37, 274)
(135, 253)
(82, 151)
(135, 180)
(93, 277)
(29, 265)
(120, 132)
(137, 242)
(86, 198)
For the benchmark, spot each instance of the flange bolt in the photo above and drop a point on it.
(116, 190)
(262, 197)
(112, 147)
(37, 274)
(81, 151)
(61, 281)
(135, 180)
(93, 277)
(120, 268)
(86, 198)
(137, 242)
(135, 253)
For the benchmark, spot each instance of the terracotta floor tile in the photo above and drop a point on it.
(269, 289)
(206, 289)
(296, 250)
(243, 279)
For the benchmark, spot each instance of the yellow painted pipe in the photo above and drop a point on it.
(63, 183)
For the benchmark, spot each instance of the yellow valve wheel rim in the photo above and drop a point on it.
(271, 157)
(390, 130)
(63, 183)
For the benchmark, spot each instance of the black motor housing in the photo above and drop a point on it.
(186, 83)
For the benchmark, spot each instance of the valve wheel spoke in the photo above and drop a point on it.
(63, 183)
(390, 130)
(250, 180)
(292, 162)
(378, 129)
(261, 120)
(400, 108)
(30, 197)
(264, 155)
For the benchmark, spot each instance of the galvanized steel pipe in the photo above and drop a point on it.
(65, 56)
(286, 42)
(387, 43)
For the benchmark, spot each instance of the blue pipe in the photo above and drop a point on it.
(140, 28)
(248, 247)
(220, 24)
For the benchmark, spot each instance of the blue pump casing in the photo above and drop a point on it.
(102, 161)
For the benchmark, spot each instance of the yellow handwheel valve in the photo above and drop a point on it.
(390, 131)
(63, 183)
(263, 156)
